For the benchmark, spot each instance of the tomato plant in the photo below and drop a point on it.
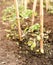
(35, 34)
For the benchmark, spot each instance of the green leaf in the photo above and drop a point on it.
(34, 27)
(7, 30)
(26, 14)
(7, 35)
(38, 37)
(4, 18)
(33, 46)
(35, 13)
(30, 43)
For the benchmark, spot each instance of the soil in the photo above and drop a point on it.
(13, 54)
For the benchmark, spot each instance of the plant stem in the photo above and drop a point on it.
(34, 8)
(18, 19)
(47, 4)
(41, 26)
(22, 2)
(25, 4)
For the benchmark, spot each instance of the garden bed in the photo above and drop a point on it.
(13, 54)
